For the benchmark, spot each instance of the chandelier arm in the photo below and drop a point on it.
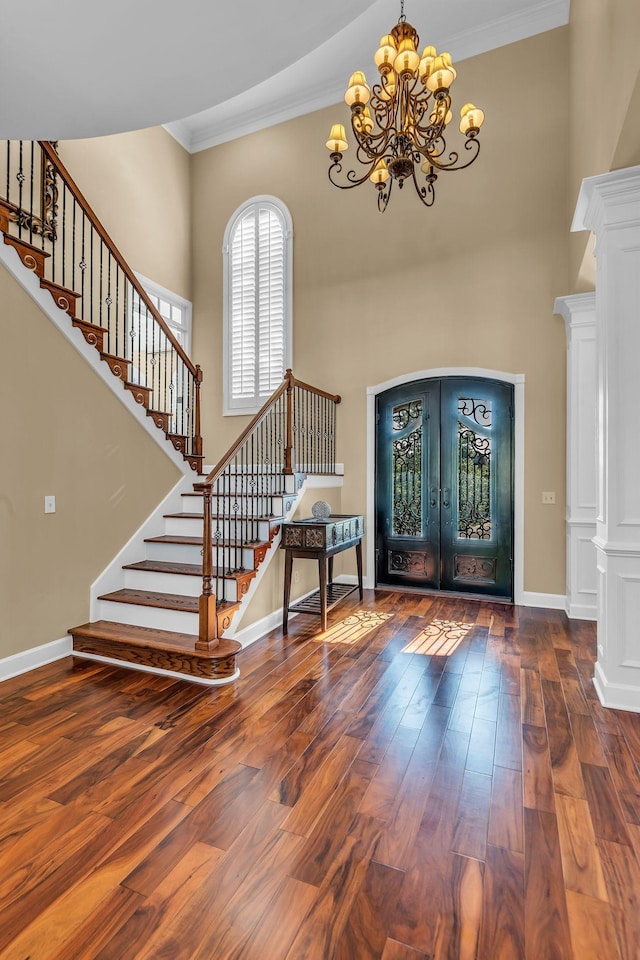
(384, 192)
(427, 193)
(336, 168)
(472, 145)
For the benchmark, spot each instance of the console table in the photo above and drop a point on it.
(320, 540)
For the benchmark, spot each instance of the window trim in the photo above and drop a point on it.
(163, 293)
(231, 408)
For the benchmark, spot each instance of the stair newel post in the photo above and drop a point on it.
(289, 455)
(197, 437)
(208, 630)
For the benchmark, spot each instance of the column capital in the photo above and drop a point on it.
(577, 310)
(608, 199)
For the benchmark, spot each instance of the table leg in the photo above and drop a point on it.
(359, 565)
(330, 570)
(288, 566)
(322, 577)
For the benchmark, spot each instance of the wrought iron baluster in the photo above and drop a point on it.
(31, 192)
(20, 179)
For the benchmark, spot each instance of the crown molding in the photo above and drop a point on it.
(271, 102)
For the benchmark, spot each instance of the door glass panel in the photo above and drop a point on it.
(407, 452)
(474, 469)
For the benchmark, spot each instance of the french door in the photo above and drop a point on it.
(444, 486)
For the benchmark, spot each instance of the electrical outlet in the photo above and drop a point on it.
(49, 504)
(548, 496)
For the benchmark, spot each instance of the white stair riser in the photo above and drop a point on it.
(186, 527)
(155, 617)
(174, 552)
(171, 583)
(255, 505)
(183, 553)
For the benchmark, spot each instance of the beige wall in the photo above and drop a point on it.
(64, 433)
(470, 282)
(139, 185)
(604, 116)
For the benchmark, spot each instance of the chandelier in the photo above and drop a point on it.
(400, 124)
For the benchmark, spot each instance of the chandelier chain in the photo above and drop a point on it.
(402, 18)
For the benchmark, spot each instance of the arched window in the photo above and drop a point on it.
(257, 303)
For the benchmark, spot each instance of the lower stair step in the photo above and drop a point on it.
(158, 649)
(146, 598)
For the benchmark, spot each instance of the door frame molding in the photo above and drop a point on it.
(517, 379)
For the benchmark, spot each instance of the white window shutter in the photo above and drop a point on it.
(257, 303)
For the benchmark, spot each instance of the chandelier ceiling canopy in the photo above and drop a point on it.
(399, 124)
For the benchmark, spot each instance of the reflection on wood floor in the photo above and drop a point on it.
(430, 778)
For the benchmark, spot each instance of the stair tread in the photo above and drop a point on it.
(185, 569)
(113, 356)
(130, 635)
(197, 541)
(273, 493)
(149, 598)
(79, 322)
(214, 516)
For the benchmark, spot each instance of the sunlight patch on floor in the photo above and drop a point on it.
(440, 638)
(354, 627)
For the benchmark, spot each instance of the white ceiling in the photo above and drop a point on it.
(211, 72)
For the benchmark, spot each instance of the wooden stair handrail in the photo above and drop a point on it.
(53, 157)
(320, 393)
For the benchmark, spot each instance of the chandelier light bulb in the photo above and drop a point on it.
(337, 142)
(386, 54)
(358, 92)
(401, 124)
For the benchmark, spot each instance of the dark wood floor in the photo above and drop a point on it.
(430, 778)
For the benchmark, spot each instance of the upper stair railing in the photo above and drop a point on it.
(45, 215)
(294, 432)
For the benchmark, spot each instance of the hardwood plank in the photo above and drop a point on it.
(536, 773)
(622, 875)
(606, 814)
(331, 828)
(472, 820)
(624, 773)
(323, 926)
(365, 932)
(461, 916)
(168, 898)
(506, 821)
(592, 932)
(273, 937)
(580, 858)
(546, 921)
(588, 742)
(508, 752)
(531, 698)
(565, 765)
(502, 930)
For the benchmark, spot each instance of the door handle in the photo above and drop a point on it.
(445, 497)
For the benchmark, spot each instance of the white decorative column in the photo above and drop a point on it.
(579, 314)
(610, 206)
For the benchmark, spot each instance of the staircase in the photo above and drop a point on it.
(175, 602)
(152, 621)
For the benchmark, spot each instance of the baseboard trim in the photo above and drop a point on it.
(157, 671)
(551, 601)
(616, 696)
(35, 657)
(259, 629)
(581, 611)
